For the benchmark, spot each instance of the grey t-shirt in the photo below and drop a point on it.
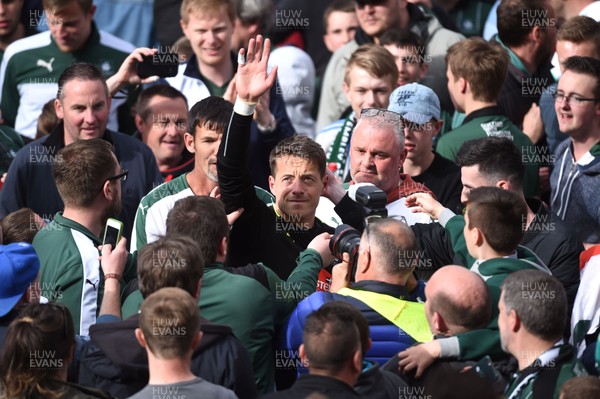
(197, 388)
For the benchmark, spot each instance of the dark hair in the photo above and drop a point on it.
(201, 218)
(581, 29)
(512, 29)
(42, 334)
(213, 113)
(256, 12)
(80, 71)
(359, 319)
(497, 158)
(337, 6)
(396, 245)
(587, 386)
(173, 261)
(298, 146)
(330, 338)
(539, 300)
(59, 5)
(404, 38)
(142, 107)
(499, 214)
(585, 66)
(81, 169)
(47, 121)
(483, 65)
(19, 226)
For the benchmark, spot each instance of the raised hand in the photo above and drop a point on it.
(127, 73)
(425, 203)
(252, 79)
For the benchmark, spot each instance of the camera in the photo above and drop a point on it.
(371, 198)
(346, 239)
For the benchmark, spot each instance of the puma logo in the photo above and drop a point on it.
(47, 65)
(93, 284)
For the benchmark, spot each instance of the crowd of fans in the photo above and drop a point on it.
(385, 199)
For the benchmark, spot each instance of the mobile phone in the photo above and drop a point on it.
(112, 232)
(163, 65)
(485, 369)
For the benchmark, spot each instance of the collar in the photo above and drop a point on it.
(71, 224)
(514, 59)
(588, 157)
(380, 287)
(56, 138)
(478, 262)
(486, 111)
(193, 71)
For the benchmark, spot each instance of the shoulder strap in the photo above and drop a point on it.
(409, 316)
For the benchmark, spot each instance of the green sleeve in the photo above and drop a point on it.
(140, 228)
(299, 285)
(10, 94)
(476, 344)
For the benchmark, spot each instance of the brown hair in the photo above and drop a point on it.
(81, 169)
(484, 65)
(189, 7)
(517, 18)
(337, 6)
(173, 261)
(587, 386)
(170, 320)
(142, 106)
(202, 219)
(376, 60)
(59, 5)
(301, 147)
(42, 336)
(581, 29)
(499, 214)
(19, 226)
(47, 121)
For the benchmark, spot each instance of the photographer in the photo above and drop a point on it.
(386, 260)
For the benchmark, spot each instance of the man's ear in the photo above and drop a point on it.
(92, 11)
(437, 126)
(197, 290)
(302, 354)
(369, 345)
(184, 27)
(357, 361)
(503, 184)
(107, 190)
(463, 85)
(188, 139)
(223, 246)
(479, 239)
(514, 321)
(196, 340)
(346, 91)
(58, 108)
(140, 125)
(139, 336)
(424, 70)
(271, 184)
(325, 181)
(439, 324)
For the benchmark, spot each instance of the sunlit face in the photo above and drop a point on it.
(411, 68)
(205, 146)
(10, 11)
(471, 179)
(565, 49)
(419, 138)
(297, 186)
(375, 156)
(70, 27)
(376, 18)
(503, 324)
(341, 27)
(84, 108)
(577, 119)
(210, 35)
(163, 129)
(454, 90)
(364, 90)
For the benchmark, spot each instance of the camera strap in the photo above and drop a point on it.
(406, 315)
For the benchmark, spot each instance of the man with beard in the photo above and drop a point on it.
(82, 103)
(88, 177)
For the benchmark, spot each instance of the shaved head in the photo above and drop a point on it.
(460, 297)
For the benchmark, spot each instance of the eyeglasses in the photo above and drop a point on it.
(390, 116)
(572, 99)
(121, 176)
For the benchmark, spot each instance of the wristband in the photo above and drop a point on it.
(113, 275)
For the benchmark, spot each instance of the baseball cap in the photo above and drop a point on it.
(19, 266)
(415, 102)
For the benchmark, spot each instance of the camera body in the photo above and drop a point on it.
(346, 238)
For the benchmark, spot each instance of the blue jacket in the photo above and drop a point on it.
(386, 337)
(30, 182)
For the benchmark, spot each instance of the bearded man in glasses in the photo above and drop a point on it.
(575, 177)
(82, 105)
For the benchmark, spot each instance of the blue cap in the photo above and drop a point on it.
(415, 102)
(19, 266)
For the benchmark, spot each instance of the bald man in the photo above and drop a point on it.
(457, 301)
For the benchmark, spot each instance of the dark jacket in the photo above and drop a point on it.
(376, 383)
(30, 183)
(259, 235)
(307, 384)
(114, 361)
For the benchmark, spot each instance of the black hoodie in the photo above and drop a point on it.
(114, 361)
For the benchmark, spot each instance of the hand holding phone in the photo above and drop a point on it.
(163, 65)
(112, 232)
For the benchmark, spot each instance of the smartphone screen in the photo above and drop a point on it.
(112, 232)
